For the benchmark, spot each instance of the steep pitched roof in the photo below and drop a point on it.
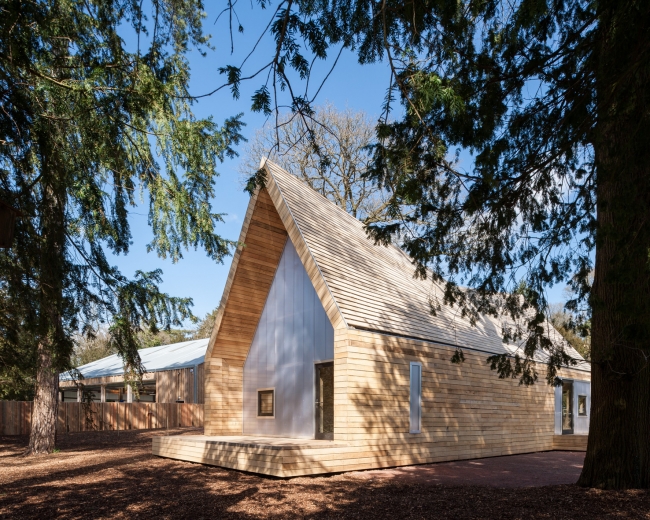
(368, 286)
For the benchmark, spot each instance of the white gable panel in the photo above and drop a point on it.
(293, 334)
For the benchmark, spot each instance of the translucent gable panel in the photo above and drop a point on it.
(293, 334)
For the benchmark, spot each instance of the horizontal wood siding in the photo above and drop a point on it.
(254, 264)
(106, 380)
(570, 442)
(467, 412)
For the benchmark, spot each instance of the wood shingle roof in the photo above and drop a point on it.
(373, 286)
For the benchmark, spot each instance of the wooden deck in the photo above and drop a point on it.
(276, 456)
(570, 442)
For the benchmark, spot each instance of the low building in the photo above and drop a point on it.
(174, 375)
(325, 357)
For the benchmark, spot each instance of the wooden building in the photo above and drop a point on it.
(326, 358)
(174, 375)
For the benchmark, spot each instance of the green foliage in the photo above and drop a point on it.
(147, 338)
(92, 347)
(17, 355)
(87, 129)
(522, 87)
(204, 328)
(573, 328)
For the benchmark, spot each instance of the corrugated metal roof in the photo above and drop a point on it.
(154, 359)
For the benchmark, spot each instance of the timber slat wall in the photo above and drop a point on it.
(467, 413)
(15, 416)
(570, 442)
(263, 237)
(170, 384)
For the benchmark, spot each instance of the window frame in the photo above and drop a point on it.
(586, 414)
(259, 391)
(419, 404)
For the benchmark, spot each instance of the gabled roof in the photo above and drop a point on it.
(368, 286)
(166, 357)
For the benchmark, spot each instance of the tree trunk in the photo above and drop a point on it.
(53, 345)
(618, 451)
(43, 432)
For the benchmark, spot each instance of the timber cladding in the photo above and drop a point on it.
(261, 244)
(171, 385)
(15, 416)
(178, 385)
(467, 411)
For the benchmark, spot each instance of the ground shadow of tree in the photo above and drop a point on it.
(127, 482)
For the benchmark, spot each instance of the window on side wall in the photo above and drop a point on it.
(266, 402)
(415, 408)
(582, 405)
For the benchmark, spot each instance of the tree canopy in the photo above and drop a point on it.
(88, 127)
(331, 153)
(550, 100)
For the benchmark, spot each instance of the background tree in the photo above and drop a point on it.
(91, 348)
(574, 323)
(330, 151)
(86, 126)
(551, 99)
(564, 323)
(204, 328)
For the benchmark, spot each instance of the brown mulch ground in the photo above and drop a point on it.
(114, 475)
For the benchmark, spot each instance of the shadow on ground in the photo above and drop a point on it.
(513, 471)
(103, 475)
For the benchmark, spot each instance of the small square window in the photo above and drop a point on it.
(582, 405)
(265, 403)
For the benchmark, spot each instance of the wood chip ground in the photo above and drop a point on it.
(113, 475)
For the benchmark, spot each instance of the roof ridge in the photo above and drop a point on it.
(373, 284)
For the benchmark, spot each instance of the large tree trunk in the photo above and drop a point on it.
(618, 451)
(53, 351)
(43, 432)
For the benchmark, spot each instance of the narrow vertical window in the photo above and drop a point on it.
(416, 398)
(582, 405)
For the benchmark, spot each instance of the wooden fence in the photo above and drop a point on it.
(15, 416)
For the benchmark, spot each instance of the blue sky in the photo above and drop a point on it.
(350, 85)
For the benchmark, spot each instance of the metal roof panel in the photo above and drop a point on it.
(166, 357)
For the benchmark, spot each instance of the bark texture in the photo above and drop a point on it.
(42, 437)
(618, 452)
(53, 346)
